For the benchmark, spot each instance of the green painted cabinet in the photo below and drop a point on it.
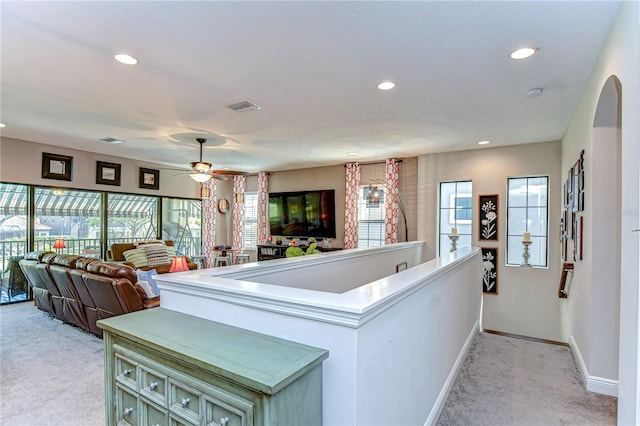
(167, 368)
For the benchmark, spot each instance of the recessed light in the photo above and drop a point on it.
(535, 92)
(386, 85)
(484, 142)
(126, 59)
(525, 52)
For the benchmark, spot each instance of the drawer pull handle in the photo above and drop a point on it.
(184, 402)
(224, 421)
(153, 385)
(128, 411)
(127, 372)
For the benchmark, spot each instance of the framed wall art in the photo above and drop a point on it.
(108, 173)
(490, 270)
(55, 166)
(149, 178)
(488, 220)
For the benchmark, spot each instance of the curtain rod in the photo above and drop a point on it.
(371, 162)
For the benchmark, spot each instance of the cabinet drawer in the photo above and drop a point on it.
(126, 371)
(178, 421)
(153, 385)
(218, 413)
(126, 407)
(184, 400)
(152, 415)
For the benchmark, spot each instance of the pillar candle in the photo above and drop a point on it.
(526, 237)
(454, 231)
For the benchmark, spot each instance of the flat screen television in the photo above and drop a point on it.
(303, 213)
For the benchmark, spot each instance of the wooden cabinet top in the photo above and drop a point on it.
(258, 361)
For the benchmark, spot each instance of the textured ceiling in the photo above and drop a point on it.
(312, 66)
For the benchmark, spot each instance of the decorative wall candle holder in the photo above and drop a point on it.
(525, 254)
(454, 242)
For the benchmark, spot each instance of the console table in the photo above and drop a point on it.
(273, 251)
(167, 368)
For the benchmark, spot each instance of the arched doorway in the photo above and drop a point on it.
(606, 232)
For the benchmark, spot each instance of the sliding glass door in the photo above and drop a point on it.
(13, 241)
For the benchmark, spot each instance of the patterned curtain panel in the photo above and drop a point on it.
(263, 208)
(351, 206)
(209, 221)
(391, 201)
(239, 185)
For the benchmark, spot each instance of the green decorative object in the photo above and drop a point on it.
(312, 248)
(294, 251)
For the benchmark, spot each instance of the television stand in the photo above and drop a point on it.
(273, 251)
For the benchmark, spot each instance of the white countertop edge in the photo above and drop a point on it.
(349, 309)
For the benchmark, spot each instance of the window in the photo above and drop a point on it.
(131, 218)
(13, 239)
(527, 211)
(71, 215)
(455, 212)
(250, 224)
(181, 223)
(370, 218)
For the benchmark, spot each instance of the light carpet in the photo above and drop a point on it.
(511, 381)
(50, 373)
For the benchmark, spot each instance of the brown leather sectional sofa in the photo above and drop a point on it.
(81, 290)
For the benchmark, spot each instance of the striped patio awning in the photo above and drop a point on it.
(69, 202)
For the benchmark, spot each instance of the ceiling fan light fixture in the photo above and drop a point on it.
(200, 177)
(200, 166)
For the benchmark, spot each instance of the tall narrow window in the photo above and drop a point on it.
(455, 212)
(527, 211)
(250, 224)
(370, 217)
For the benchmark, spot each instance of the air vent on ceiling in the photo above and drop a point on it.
(112, 140)
(244, 106)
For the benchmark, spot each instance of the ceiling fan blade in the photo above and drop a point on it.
(229, 172)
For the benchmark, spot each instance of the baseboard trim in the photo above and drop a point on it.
(437, 408)
(532, 339)
(592, 383)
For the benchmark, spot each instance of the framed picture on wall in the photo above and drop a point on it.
(149, 178)
(108, 173)
(55, 166)
(490, 270)
(488, 217)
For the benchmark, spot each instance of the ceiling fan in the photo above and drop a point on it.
(202, 172)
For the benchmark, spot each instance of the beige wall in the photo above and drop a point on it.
(527, 301)
(333, 177)
(591, 325)
(21, 162)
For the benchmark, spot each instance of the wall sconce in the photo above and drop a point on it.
(204, 192)
(58, 244)
(239, 197)
(179, 264)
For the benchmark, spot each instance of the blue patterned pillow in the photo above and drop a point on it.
(150, 277)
